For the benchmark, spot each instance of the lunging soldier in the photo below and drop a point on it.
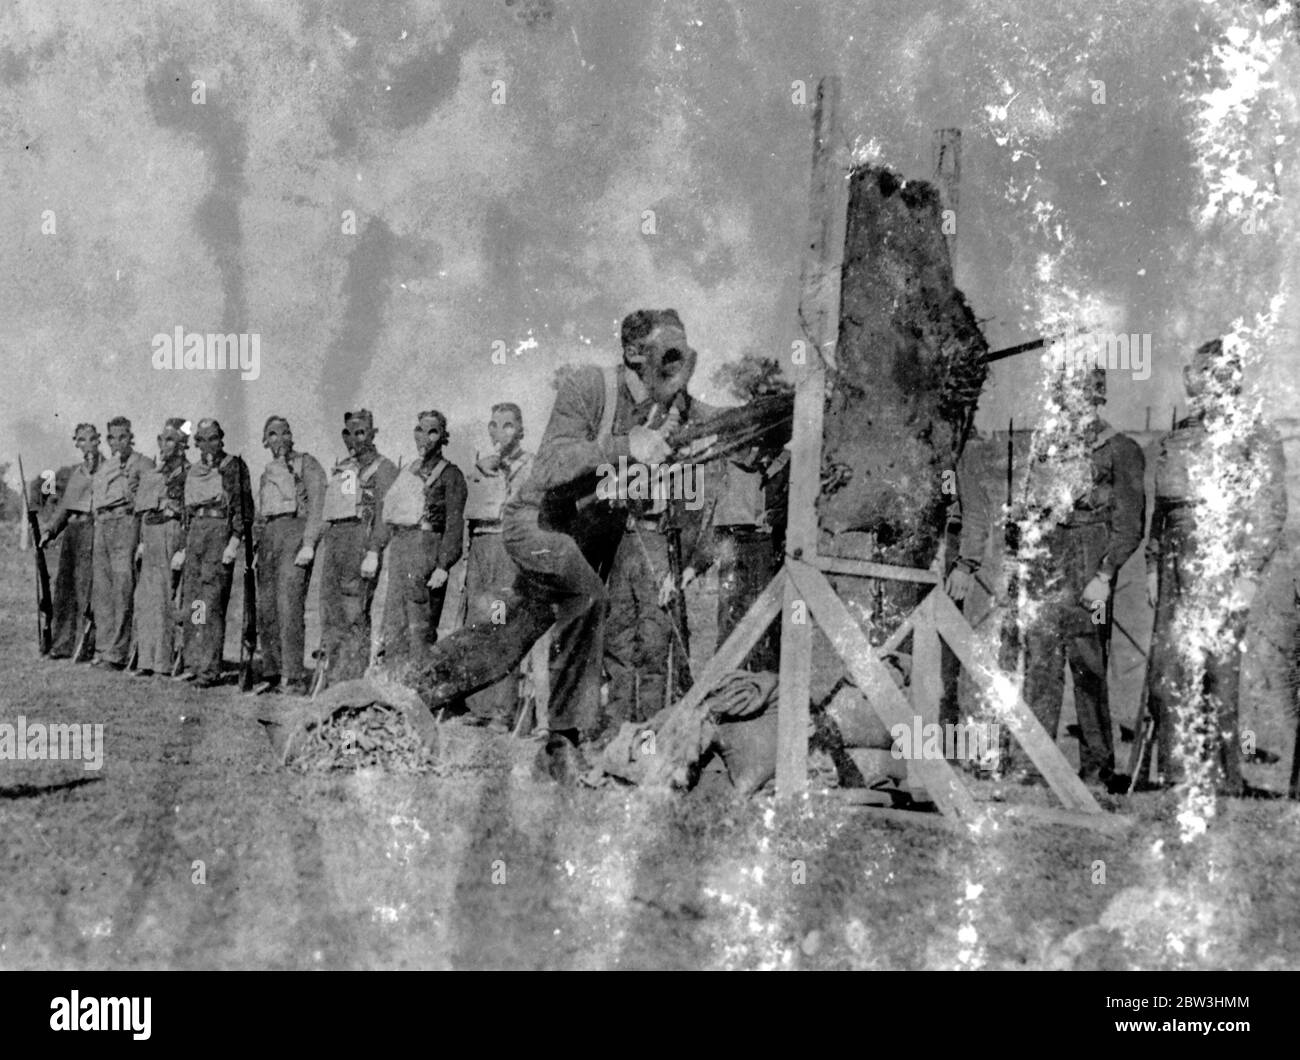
(422, 522)
(291, 499)
(355, 489)
(76, 521)
(160, 503)
(216, 498)
(552, 532)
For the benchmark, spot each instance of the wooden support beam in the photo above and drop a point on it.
(819, 314)
(862, 568)
(926, 686)
(874, 681)
(981, 663)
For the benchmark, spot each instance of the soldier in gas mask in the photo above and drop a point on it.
(291, 498)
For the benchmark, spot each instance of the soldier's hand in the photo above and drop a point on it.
(304, 557)
(139, 553)
(1153, 587)
(178, 560)
(1243, 594)
(232, 550)
(1096, 591)
(646, 446)
(437, 579)
(490, 462)
(370, 565)
(959, 583)
(45, 540)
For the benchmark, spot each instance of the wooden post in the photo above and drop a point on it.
(819, 311)
(926, 687)
(947, 174)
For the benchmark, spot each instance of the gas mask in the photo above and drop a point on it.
(665, 363)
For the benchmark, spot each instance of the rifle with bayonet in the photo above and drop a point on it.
(248, 635)
(44, 599)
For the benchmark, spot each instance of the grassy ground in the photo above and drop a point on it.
(191, 849)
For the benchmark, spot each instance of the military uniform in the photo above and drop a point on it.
(1096, 537)
(640, 634)
(489, 571)
(422, 523)
(74, 580)
(117, 532)
(291, 500)
(160, 504)
(216, 499)
(746, 538)
(352, 496)
(560, 538)
(1208, 712)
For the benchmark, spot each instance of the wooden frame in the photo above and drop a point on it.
(801, 593)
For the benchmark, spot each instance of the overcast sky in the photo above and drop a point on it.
(500, 158)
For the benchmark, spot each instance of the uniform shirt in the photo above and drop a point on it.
(1115, 497)
(117, 479)
(310, 488)
(507, 479)
(1258, 524)
(570, 452)
(76, 499)
(372, 490)
(237, 495)
(444, 510)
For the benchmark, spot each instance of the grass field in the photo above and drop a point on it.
(191, 848)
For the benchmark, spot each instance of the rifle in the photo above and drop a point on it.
(178, 645)
(248, 636)
(87, 637)
(44, 599)
(679, 646)
(765, 422)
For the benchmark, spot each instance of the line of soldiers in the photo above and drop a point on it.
(542, 552)
(150, 548)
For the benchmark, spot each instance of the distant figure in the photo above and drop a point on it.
(160, 504)
(216, 499)
(117, 532)
(490, 572)
(422, 522)
(352, 544)
(75, 519)
(1202, 575)
(291, 502)
(1072, 583)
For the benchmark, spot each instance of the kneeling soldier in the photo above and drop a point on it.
(291, 499)
(423, 515)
